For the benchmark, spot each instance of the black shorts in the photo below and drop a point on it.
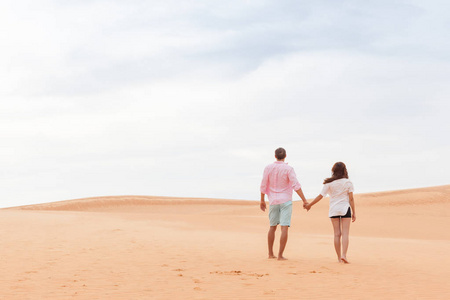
(347, 215)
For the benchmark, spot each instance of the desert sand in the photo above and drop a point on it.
(137, 247)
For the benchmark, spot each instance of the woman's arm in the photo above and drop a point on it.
(352, 205)
(318, 198)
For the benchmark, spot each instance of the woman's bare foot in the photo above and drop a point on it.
(282, 258)
(272, 256)
(344, 260)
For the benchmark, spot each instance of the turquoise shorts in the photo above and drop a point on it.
(280, 214)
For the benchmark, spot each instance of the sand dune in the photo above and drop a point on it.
(139, 247)
(108, 203)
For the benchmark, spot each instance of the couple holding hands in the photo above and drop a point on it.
(279, 180)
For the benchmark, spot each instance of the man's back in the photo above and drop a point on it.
(278, 181)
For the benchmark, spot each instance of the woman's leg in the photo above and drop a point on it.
(337, 236)
(345, 237)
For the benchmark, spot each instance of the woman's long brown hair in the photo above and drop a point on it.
(339, 171)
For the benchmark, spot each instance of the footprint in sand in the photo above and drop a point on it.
(257, 275)
(239, 273)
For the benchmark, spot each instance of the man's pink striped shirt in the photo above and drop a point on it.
(279, 180)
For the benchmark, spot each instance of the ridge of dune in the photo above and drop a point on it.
(418, 196)
(105, 202)
(439, 188)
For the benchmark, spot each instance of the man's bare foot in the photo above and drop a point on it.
(272, 256)
(282, 258)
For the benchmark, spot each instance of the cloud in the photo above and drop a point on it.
(90, 46)
(191, 98)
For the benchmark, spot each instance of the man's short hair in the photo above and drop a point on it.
(280, 153)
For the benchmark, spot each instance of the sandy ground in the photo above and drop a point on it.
(172, 248)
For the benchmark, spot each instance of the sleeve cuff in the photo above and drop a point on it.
(297, 187)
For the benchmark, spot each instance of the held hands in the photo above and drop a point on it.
(306, 206)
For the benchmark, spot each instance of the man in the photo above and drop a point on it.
(278, 181)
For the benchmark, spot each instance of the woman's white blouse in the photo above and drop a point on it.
(339, 200)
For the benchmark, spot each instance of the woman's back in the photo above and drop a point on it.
(338, 191)
(339, 188)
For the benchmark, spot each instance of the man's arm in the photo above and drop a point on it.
(263, 189)
(300, 193)
(262, 205)
(297, 187)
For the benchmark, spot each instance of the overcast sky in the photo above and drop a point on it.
(191, 98)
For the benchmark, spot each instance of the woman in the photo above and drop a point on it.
(340, 189)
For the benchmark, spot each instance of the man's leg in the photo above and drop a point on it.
(285, 222)
(274, 218)
(271, 239)
(283, 241)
